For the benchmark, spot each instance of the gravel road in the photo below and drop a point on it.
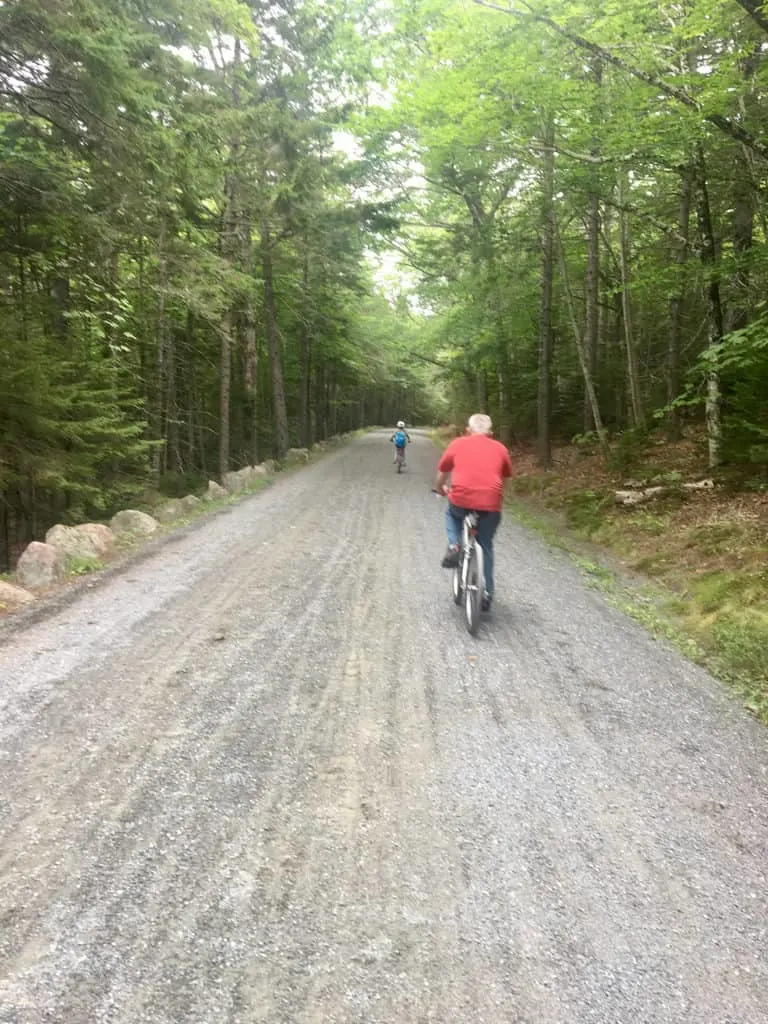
(266, 775)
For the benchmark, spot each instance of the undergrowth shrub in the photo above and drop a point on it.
(179, 485)
(584, 509)
(627, 450)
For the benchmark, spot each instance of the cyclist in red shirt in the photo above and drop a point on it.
(477, 466)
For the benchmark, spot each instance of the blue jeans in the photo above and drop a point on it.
(487, 525)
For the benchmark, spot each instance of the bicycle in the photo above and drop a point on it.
(468, 578)
(468, 582)
(400, 459)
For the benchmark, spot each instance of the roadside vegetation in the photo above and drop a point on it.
(706, 551)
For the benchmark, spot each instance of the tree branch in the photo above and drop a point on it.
(724, 124)
(756, 12)
(426, 359)
(588, 158)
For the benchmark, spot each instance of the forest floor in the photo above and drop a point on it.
(265, 774)
(706, 552)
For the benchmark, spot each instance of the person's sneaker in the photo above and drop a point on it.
(451, 557)
(485, 604)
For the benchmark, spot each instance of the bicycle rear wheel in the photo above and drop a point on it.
(473, 594)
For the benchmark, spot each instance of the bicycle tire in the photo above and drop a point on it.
(456, 584)
(473, 594)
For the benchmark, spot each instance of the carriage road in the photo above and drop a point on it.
(265, 775)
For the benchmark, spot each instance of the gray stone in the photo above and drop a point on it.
(89, 541)
(13, 597)
(170, 511)
(39, 565)
(100, 536)
(242, 479)
(134, 522)
(190, 503)
(215, 492)
(297, 455)
(233, 482)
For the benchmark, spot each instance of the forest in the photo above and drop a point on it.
(230, 227)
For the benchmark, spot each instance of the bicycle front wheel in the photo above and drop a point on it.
(456, 584)
(473, 593)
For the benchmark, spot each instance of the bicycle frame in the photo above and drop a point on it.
(468, 542)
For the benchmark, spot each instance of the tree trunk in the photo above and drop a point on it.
(742, 231)
(161, 341)
(636, 403)
(709, 257)
(592, 317)
(544, 440)
(305, 356)
(173, 460)
(225, 380)
(505, 393)
(321, 419)
(333, 408)
(592, 296)
(589, 385)
(744, 176)
(250, 375)
(676, 304)
(231, 250)
(191, 410)
(273, 342)
(481, 390)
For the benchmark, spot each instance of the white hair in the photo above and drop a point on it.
(480, 423)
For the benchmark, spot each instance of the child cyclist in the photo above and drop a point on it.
(400, 439)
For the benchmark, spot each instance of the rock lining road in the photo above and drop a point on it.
(266, 775)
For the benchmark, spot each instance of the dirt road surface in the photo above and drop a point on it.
(266, 775)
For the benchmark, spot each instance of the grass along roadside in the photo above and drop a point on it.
(698, 562)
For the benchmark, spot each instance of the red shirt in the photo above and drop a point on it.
(477, 465)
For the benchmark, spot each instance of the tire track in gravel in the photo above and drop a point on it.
(348, 810)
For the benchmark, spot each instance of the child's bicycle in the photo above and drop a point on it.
(400, 458)
(468, 578)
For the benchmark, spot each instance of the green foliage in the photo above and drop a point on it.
(741, 640)
(78, 566)
(150, 164)
(584, 510)
(648, 522)
(586, 444)
(740, 362)
(715, 538)
(627, 451)
(179, 484)
(730, 591)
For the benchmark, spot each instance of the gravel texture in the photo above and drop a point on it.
(266, 775)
